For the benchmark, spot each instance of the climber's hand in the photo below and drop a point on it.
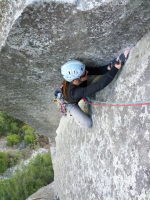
(118, 65)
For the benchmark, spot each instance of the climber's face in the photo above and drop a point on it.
(84, 76)
(81, 79)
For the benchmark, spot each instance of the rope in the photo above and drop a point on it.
(110, 104)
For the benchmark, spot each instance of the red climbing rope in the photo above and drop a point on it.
(109, 105)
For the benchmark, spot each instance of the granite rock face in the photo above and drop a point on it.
(9, 12)
(44, 193)
(46, 35)
(112, 160)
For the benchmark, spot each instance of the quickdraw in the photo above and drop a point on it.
(60, 101)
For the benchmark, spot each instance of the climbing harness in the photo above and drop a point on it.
(60, 101)
(110, 104)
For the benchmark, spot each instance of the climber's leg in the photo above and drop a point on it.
(79, 116)
(85, 106)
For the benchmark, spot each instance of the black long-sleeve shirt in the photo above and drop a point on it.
(76, 93)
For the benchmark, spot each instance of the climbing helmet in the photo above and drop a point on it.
(73, 69)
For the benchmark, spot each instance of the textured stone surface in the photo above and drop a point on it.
(48, 34)
(45, 193)
(111, 161)
(9, 12)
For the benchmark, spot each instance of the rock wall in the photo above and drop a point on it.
(48, 33)
(112, 160)
(9, 12)
(44, 193)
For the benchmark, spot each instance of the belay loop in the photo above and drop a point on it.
(60, 101)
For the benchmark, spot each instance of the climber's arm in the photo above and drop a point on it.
(97, 70)
(81, 92)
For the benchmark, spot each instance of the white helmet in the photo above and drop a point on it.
(72, 70)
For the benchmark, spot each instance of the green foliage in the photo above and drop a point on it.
(4, 160)
(37, 174)
(14, 127)
(30, 137)
(8, 160)
(14, 158)
(13, 139)
(24, 183)
(9, 125)
(28, 130)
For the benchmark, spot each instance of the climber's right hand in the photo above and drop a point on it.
(118, 65)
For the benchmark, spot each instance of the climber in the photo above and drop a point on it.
(75, 87)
